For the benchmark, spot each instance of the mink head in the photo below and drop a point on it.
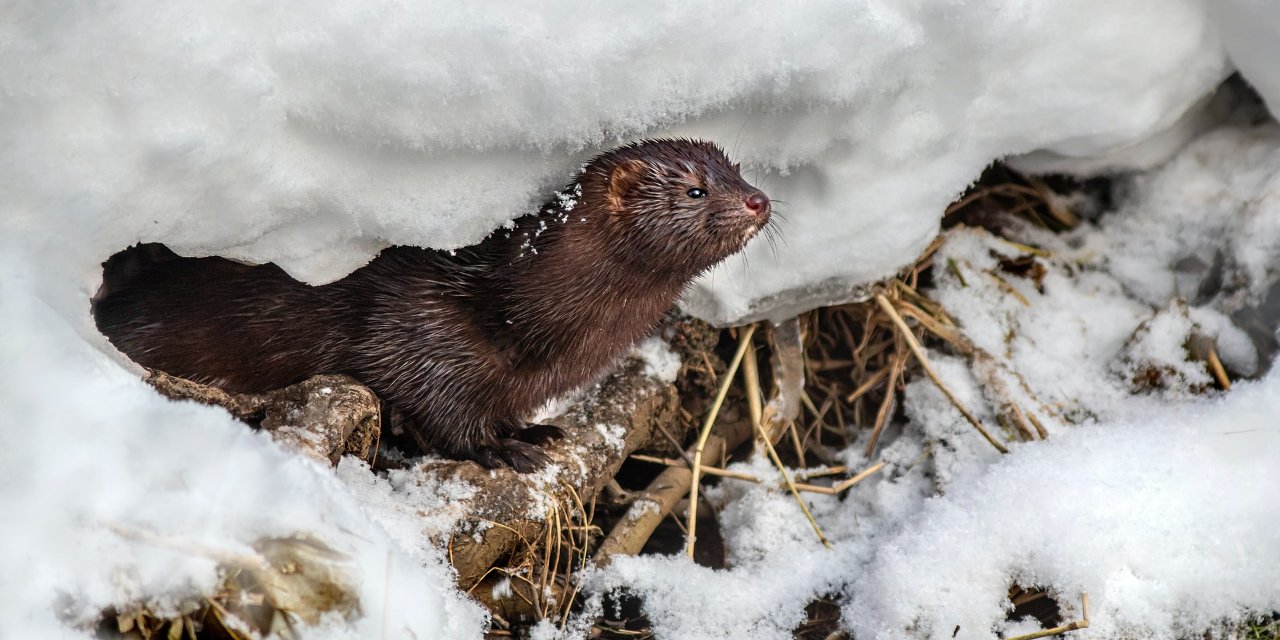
(680, 204)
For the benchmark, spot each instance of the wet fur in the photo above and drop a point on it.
(464, 346)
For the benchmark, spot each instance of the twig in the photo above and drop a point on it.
(711, 371)
(837, 488)
(1025, 595)
(859, 477)
(933, 308)
(744, 341)
(709, 470)
(1019, 419)
(1008, 288)
(882, 415)
(933, 375)
(843, 485)
(1065, 217)
(1219, 372)
(948, 333)
(867, 386)
(1026, 248)
(833, 471)
(617, 493)
(751, 380)
(1035, 422)
(795, 441)
(631, 533)
(1082, 623)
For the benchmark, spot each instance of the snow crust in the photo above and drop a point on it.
(312, 137)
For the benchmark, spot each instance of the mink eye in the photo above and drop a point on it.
(696, 193)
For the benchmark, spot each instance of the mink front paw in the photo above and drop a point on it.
(539, 434)
(509, 452)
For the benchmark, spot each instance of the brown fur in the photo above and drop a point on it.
(465, 346)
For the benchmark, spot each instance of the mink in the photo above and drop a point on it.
(465, 345)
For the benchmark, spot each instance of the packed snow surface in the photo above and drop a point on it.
(314, 136)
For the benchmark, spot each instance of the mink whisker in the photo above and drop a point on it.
(773, 242)
(772, 230)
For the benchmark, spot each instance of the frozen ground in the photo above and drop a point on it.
(244, 130)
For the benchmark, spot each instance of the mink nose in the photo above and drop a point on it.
(758, 202)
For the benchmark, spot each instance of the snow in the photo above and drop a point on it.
(92, 479)
(1166, 524)
(1231, 176)
(243, 130)
(314, 136)
(1157, 353)
(1157, 506)
(659, 360)
(1246, 28)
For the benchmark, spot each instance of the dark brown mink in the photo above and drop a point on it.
(464, 346)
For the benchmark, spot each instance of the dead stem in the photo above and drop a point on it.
(751, 379)
(1082, 623)
(1219, 372)
(1065, 217)
(833, 471)
(1035, 422)
(744, 341)
(870, 384)
(916, 349)
(1019, 420)
(896, 369)
(795, 441)
(839, 487)
(707, 469)
(1008, 288)
(843, 485)
(983, 364)
(791, 486)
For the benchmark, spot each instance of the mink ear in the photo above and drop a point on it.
(624, 176)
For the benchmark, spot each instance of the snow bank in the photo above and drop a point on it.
(1247, 29)
(1167, 524)
(1212, 212)
(112, 496)
(312, 137)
